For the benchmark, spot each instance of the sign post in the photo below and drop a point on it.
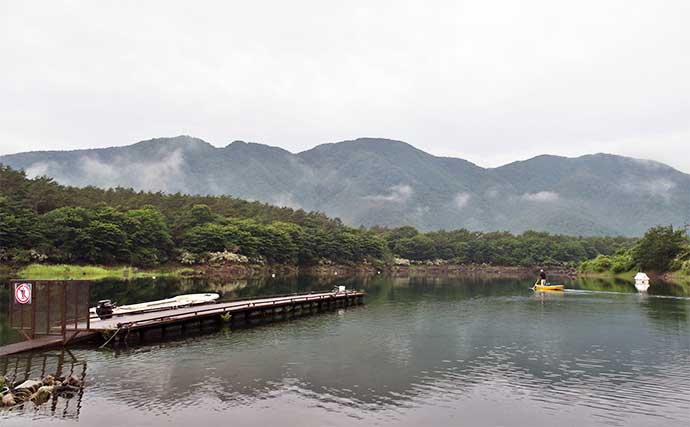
(22, 293)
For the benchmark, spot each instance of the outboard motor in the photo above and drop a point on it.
(104, 309)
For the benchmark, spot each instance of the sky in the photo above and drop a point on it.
(488, 81)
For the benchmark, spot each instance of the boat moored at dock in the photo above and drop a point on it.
(106, 308)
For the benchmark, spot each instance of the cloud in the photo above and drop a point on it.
(461, 200)
(652, 165)
(541, 196)
(39, 169)
(396, 194)
(163, 174)
(491, 193)
(55, 170)
(420, 211)
(286, 200)
(661, 187)
(539, 101)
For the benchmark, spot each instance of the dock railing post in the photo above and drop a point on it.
(63, 321)
(33, 311)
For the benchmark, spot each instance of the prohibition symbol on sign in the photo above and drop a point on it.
(22, 293)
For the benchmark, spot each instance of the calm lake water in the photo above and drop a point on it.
(422, 351)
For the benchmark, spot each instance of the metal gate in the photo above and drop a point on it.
(49, 307)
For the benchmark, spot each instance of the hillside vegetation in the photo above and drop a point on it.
(44, 222)
(662, 249)
(372, 182)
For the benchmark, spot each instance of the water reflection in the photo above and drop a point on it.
(489, 351)
(30, 366)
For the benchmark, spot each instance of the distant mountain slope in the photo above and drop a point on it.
(377, 181)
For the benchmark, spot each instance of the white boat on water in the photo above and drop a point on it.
(641, 282)
(163, 304)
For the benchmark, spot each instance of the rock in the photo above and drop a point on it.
(73, 381)
(29, 385)
(42, 395)
(49, 380)
(8, 400)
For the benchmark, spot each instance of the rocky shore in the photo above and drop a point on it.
(37, 391)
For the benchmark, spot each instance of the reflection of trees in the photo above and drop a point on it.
(667, 313)
(661, 287)
(606, 284)
(617, 284)
(418, 336)
(659, 303)
(148, 289)
(415, 336)
(143, 289)
(7, 335)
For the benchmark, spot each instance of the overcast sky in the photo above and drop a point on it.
(489, 81)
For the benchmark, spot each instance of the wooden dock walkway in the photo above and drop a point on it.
(143, 321)
(40, 343)
(134, 321)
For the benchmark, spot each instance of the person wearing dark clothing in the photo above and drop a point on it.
(542, 277)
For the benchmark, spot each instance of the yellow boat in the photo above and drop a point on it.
(549, 287)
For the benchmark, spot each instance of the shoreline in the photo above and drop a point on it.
(672, 277)
(239, 271)
(246, 271)
(677, 277)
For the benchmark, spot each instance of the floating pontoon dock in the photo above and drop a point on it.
(62, 331)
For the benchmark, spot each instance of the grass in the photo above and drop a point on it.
(679, 277)
(627, 275)
(91, 272)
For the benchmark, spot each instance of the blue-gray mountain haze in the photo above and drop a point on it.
(384, 182)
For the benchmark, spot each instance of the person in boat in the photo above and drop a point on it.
(542, 277)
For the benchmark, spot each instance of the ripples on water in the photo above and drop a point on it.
(435, 352)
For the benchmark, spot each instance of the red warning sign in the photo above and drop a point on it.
(22, 293)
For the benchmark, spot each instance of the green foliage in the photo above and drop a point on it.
(574, 196)
(622, 262)
(662, 249)
(150, 242)
(685, 268)
(105, 236)
(420, 247)
(659, 247)
(66, 231)
(599, 264)
(500, 248)
(18, 226)
(206, 238)
(90, 225)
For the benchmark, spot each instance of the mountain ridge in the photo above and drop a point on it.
(372, 139)
(375, 181)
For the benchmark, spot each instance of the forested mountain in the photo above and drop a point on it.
(384, 182)
(42, 221)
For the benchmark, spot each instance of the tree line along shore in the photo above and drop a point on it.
(48, 227)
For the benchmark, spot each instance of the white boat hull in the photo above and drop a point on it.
(169, 303)
(642, 287)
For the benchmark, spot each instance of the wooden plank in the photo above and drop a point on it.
(41, 343)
